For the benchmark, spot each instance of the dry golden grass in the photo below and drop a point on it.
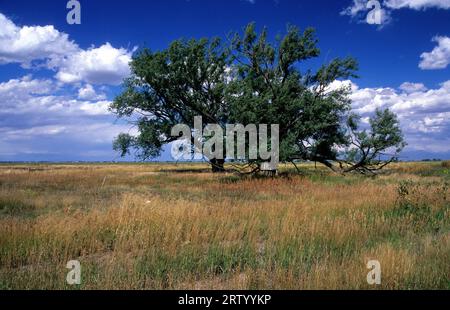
(155, 226)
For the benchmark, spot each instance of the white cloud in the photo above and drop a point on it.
(337, 84)
(417, 4)
(100, 132)
(38, 118)
(26, 84)
(358, 8)
(424, 113)
(412, 87)
(86, 140)
(13, 134)
(45, 46)
(102, 65)
(27, 95)
(366, 100)
(439, 57)
(32, 43)
(88, 93)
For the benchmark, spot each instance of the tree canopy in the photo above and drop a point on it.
(251, 80)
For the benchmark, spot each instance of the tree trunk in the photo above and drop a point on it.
(217, 165)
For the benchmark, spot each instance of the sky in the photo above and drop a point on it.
(58, 79)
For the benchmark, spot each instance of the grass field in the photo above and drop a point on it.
(166, 226)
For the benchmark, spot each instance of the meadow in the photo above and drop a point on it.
(168, 226)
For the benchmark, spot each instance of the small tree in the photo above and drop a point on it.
(368, 148)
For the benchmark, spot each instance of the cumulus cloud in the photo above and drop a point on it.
(38, 118)
(65, 117)
(28, 95)
(90, 133)
(417, 4)
(358, 9)
(418, 102)
(27, 44)
(424, 113)
(85, 141)
(45, 46)
(17, 87)
(88, 93)
(102, 65)
(439, 57)
(409, 87)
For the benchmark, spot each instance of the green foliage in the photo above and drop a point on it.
(170, 87)
(270, 89)
(123, 143)
(368, 147)
(254, 81)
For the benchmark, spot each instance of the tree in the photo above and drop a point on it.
(367, 151)
(170, 87)
(255, 81)
(270, 88)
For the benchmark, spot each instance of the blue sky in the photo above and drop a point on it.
(56, 79)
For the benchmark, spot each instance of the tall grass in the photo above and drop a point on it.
(152, 227)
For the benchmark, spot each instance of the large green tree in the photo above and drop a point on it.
(255, 81)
